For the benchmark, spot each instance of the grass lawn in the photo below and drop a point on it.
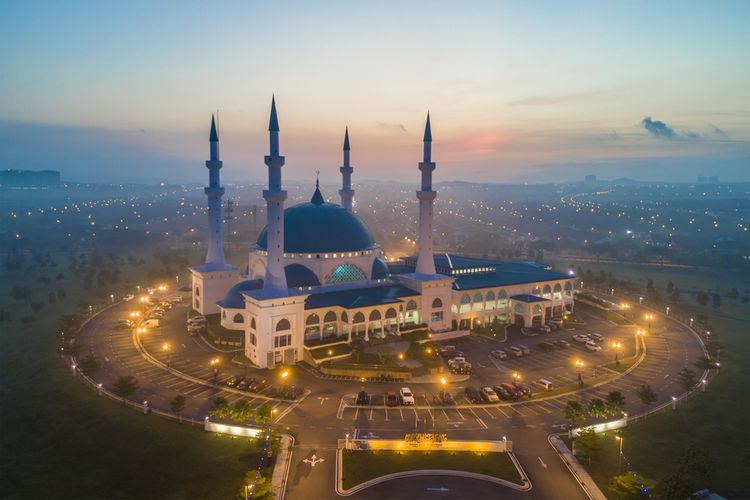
(60, 439)
(361, 466)
(716, 420)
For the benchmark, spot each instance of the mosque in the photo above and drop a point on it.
(316, 274)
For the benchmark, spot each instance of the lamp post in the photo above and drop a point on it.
(616, 346)
(579, 366)
(640, 301)
(691, 322)
(667, 310)
(215, 365)
(619, 458)
(167, 349)
(649, 317)
(674, 403)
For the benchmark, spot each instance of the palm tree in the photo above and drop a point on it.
(574, 413)
(615, 403)
(177, 405)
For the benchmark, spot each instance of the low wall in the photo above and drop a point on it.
(455, 334)
(234, 430)
(366, 372)
(601, 427)
(448, 445)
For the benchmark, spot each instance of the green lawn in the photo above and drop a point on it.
(716, 420)
(361, 466)
(60, 440)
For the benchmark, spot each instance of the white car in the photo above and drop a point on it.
(593, 346)
(407, 398)
(489, 395)
(581, 338)
(128, 297)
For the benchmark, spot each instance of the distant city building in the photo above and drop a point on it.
(590, 179)
(315, 274)
(29, 178)
(702, 179)
(711, 179)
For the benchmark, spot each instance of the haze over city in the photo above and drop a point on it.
(521, 92)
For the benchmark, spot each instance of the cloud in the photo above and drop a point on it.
(658, 128)
(719, 132)
(398, 126)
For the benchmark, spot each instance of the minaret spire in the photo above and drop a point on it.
(346, 192)
(275, 280)
(214, 191)
(426, 196)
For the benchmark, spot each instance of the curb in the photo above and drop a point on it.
(579, 474)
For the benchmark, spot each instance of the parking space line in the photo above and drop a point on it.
(493, 417)
(501, 411)
(515, 410)
(402, 414)
(460, 414)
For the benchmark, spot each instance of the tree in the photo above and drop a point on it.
(630, 486)
(263, 414)
(574, 413)
(716, 301)
(51, 298)
(675, 296)
(647, 394)
(37, 306)
(219, 408)
(21, 292)
(125, 386)
(702, 298)
(588, 442)
(691, 474)
(241, 410)
(687, 378)
(650, 286)
(670, 287)
(178, 404)
(615, 403)
(261, 486)
(89, 365)
(733, 293)
(597, 408)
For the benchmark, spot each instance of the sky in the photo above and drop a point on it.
(517, 91)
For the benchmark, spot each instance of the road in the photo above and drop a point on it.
(326, 414)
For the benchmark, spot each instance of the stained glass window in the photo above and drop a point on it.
(346, 273)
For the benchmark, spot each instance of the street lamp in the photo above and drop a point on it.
(691, 322)
(579, 366)
(667, 310)
(640, 301)
(167, 348)
(648, 317)
(619, 460)
(516, 378)
(617, 345)
(215, 365)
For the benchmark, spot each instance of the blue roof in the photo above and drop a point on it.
(525, 297)
(233, 299)
(321, 228)
(360, 297)
(379, 270)
(485, 273)
(213, 267)
(299, 276)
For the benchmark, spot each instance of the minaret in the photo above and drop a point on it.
(425, 260)
(346, 191)
(275, 280)
(214, 191)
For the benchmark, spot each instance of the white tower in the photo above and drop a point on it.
(346, 191)
(275, 280)
(425, 260)
(214, 191)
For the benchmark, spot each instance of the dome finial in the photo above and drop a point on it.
(317, 198)
(273, 123)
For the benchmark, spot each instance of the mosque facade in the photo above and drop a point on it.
(316, 275)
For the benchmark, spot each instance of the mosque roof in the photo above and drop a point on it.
(470, 272)
(525, 297)
(379, 270)
(299, 276)
(360, 297)
(233, 299)
(320, 227)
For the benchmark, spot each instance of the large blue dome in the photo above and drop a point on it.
(319, 227)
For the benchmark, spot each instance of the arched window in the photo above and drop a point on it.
(345, 273)
(313, 319)
(478, 297)
(557, 288)
(518, 309)
(252, 324)
(502, 295)
(329, 317)
(547, 290)
(568, 286)
(391, 313)
(411, 306)
(197, 292)
(375, 315)
(437, 303)
(358, 318)
(490, 296)
(536, 290)
(283, 325)
(344, 317)
(537, 309)
(465, 299)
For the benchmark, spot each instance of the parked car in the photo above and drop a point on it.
(562, 343)
(546, 346)
(514, 391)
(151, 323)
(544, 384)
(515, 351)
(128, 297)
(233, 381)
(499, 354)
(502, 393)
(488, 395)
(363, 398)
(593, 346)
(406, 396)
(525, 390)
(581, 338)
(258, 385)
(242, 384)
(444, 398)
(462, 368)
(124, 324)
(596, 337)
(545, 329)
(391, 399)
(473, 395)
(452, 354)
(175, 298)
(447, 348)
(526, 350)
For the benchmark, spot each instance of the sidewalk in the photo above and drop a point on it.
(281, 470)
(579, 473)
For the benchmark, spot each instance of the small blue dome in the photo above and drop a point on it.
(233, 299)
(380, 270)
(298, 276)
(319, 227)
